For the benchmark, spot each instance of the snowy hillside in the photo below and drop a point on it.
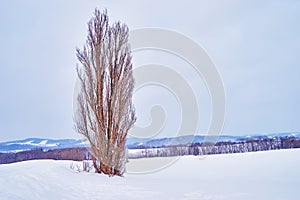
(35, 143)
(132, 143)
(260, 175)
(191, 139)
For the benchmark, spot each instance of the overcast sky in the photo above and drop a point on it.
(255, 46)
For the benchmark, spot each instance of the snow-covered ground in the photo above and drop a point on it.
(257, 175)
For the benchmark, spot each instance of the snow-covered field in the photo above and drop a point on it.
(257, 175)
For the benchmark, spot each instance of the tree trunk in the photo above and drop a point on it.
(108, 170)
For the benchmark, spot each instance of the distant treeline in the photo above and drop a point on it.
(78, 154)
(263, 144)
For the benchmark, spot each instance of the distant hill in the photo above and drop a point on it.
(39, 143)
(132, 143)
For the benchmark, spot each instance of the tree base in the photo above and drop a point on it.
(105, 169)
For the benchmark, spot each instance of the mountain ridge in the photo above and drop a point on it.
(132, 143)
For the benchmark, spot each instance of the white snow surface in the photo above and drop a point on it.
(256, 175)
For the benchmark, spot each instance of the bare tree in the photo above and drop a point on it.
(105, 111)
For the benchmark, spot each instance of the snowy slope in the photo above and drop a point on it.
(132, 143)
(260, 175)
(35, 143)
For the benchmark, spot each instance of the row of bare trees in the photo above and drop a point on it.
(218, 148)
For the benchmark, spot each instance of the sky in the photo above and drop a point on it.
(255, 46)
